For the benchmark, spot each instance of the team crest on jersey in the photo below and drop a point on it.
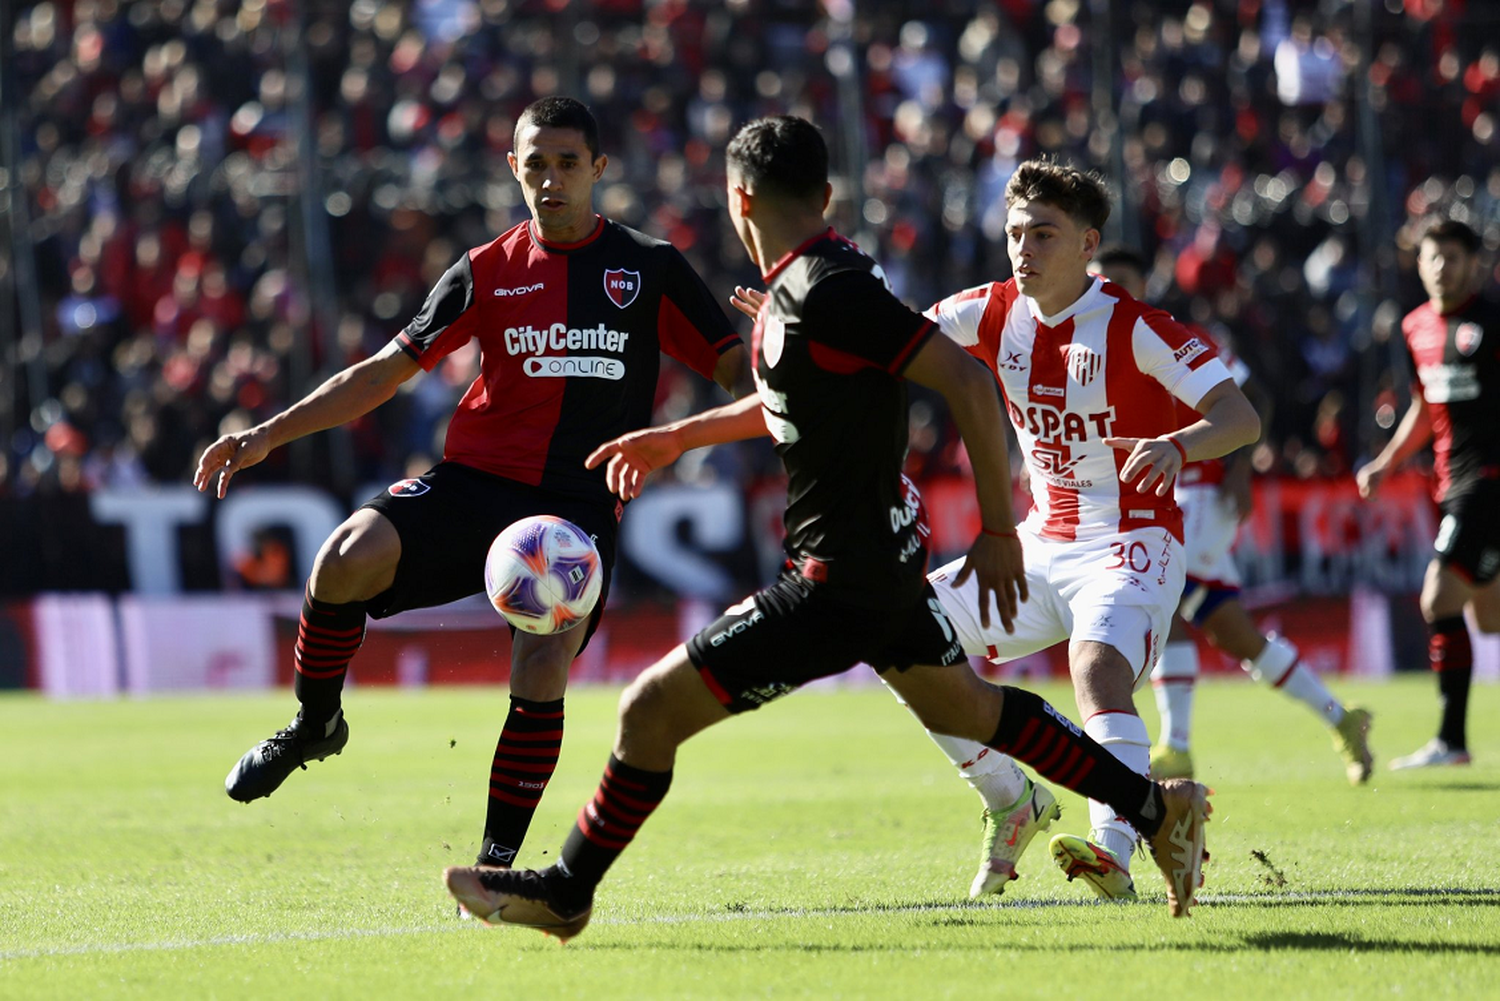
(407, 488)
(1083, 364)
(622, 286)
(1467, 337)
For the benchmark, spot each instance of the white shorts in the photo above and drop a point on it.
(1120, 590)
(1209, 525)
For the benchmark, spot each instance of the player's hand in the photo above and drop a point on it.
(1001, 568)
(632, 457)
(1153, 464)
(747, 300)
(1368, 478)
(228, 456)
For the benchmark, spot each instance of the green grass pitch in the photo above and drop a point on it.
(818, 848)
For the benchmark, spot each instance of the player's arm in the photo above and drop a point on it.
(632, 457)
(1412, 434)
(351, 393)
(729, 371)
(1229, 422)
(969, 389)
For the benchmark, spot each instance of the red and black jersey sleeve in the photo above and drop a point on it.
(446, 320)
(853, 321)
(690, 324)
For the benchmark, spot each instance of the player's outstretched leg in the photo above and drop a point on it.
(1279, 665)
(328, 636)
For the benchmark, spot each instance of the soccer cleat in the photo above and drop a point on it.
(1007, 833)
(266, 765)
(1178, 845)
(1351, 738)
(522, 897)
(485, 863)
(1170, 763)
(1081, 859)
(1435, 752)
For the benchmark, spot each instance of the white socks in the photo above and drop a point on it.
(995, 776)
(1173, 678)
(1123, 735)
(1279, 667)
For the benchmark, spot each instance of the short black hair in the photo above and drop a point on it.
(560, 113)
(1083, 196)
(783, 154)
(1446, 230)
(1119, 255)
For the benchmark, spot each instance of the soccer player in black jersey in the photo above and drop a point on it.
(832, 346)
(1454, 342)
(571, 312)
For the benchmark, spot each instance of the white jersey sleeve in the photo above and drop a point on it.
(1182, 360)
(959, 315)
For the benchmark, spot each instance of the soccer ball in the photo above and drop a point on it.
(543, 574)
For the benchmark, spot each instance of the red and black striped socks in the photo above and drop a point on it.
(525, 758)
(1452, 657)
(328, 637)
(1032, 731)
(607, 823)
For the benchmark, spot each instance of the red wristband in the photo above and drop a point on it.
(999, 535)
(1181, 451)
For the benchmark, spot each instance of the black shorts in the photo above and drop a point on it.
(796, 631)
(1468, 538)
(447, 519)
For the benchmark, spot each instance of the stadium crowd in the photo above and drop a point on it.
(183, 163)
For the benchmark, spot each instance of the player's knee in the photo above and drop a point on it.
(645, 714)
(357, 562)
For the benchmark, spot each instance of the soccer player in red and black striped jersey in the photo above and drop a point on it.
(1454, 341)
(832, 348)
(571, 312)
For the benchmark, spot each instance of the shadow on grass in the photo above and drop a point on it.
(1316, 941)
(1463, 786)
(1456, 896)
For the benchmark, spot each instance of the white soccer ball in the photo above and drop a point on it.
(543, 574)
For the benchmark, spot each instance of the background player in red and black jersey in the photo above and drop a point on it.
(1454, 341)
(832, 345)
(571, 312)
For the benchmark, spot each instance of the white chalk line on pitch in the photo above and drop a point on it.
(720, 917)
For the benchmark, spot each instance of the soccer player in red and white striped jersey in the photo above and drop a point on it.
(1091, 380)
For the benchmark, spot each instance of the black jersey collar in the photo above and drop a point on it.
(565, 247)
(796, 252)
